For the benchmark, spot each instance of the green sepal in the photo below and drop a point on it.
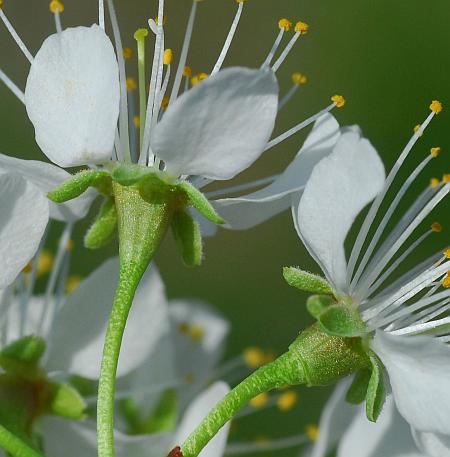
(128, 174)
(342, 320)
(79, 183)
(22, 356)
(186, 232)
(317, 304)
(200, 203)
(308, 282)
(65, 401)
(376, 392)
(358, 390)
(153, 186)
(104, 227)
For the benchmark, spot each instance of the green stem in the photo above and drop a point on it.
(274, 375)
(142, 226)
(314, 358)
(15, 446)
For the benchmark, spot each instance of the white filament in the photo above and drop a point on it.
(274, 49)
(229, 39)
(12, 87)
(286, 51)
(16, 37)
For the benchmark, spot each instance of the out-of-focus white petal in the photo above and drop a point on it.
(24, 216)
(419, 373)
(72, 96)
(198, 335)
(196, 412)
(75, 439)
(340, 186)
(252, 209)
(79, 329)
(389, 436)
(336, 417)
(432, 444)
(220, 127)
(47, 177)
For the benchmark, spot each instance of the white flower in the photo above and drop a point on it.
(408, 315)
(346, 428)
(76, 97)
(177, 341)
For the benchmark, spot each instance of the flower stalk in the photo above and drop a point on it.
(315, 358)
(15, 446)
(142, 225)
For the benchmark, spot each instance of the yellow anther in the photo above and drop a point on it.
(299, 79)
(131, 84)
(1, 4)
(187, 72)
(196, 332)
(446, 178)
(72, 283)
(137, 121)
(164, 20)
(198, 78)
(434, 182)
(260, 400)
(285, 24)
(254, 357)
(28, 268)
(447, 253)
(301, 27)
(165, 102)
(56, 6)
(240, 1)
(312, 431)
(70, 245)
(436, 227)
(261, 439)
(45, 263)
(436, 106)
(435, 151)
(127, 53)
(168, 57)
(446, 281)
(287, 400)
(338, 100)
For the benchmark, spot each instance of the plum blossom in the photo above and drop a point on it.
(405, 319)
(77, 99)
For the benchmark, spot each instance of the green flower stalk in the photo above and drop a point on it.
(314, 359)
(140, 204)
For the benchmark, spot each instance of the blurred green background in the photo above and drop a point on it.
(389, 59)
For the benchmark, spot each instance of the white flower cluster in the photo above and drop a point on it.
(79, 101)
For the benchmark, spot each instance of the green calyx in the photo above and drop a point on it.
(306, 281)
(154, 187)
(26, 393)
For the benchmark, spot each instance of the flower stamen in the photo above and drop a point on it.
(15, 36)
(229, 38)
(301, 28)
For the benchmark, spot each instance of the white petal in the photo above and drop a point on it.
(419, 373)
(250, 210)
(340, 186)
(433, 444)
(197, 410)
(79, 330)
(46, 177)
(24, 215)
(335, 418)
(389, 436)
(75, 439)
(196, 357)
(220, 127)
(72, 96)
